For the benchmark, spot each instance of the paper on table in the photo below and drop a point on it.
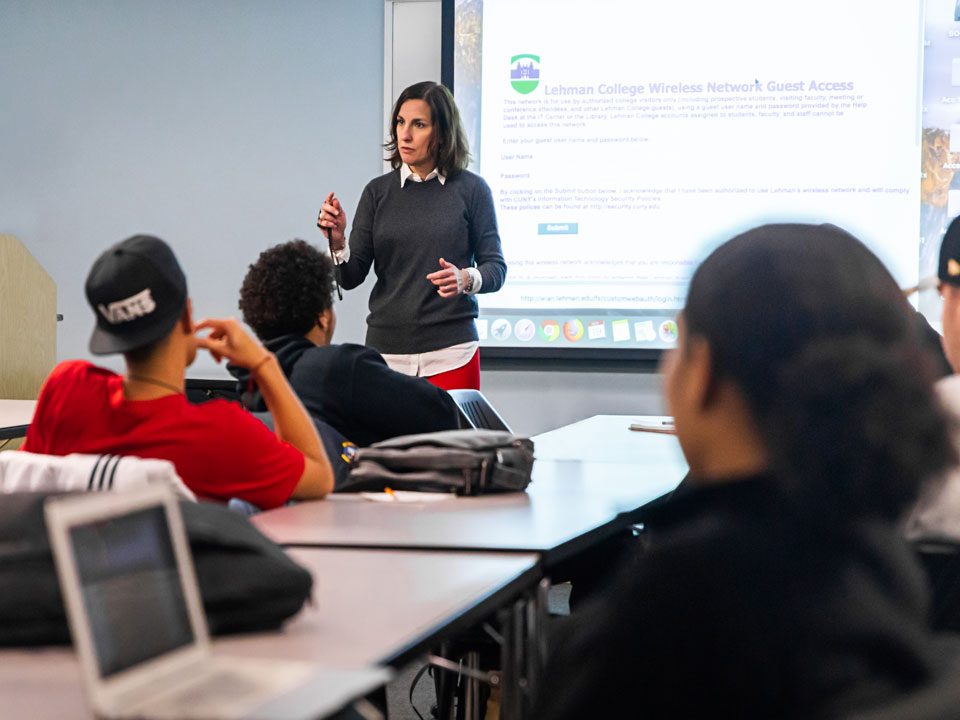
(405, 496)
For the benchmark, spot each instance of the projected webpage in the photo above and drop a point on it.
(624, 142)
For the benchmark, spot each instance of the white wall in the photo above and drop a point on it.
(414, 43)
(219, 126)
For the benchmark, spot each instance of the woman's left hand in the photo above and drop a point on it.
(450, 281)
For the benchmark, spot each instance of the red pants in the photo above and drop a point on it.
(465, 376)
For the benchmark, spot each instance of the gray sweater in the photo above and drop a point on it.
(403, 233)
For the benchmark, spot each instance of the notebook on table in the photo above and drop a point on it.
(138, 626)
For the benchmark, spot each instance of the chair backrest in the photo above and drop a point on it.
(476, 411)
(33, 472)
(199, 390)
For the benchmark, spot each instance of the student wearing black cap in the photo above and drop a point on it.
(139, 297)
(937, 513)
(948, 275)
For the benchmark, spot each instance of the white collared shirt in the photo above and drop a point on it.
(435, 361)
(407, 174)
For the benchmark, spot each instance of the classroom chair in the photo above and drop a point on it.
(476, 411)
(33, 472)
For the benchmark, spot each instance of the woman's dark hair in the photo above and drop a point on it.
(449, 138)
(815, 333)
(286, 290)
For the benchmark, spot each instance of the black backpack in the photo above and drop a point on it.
(247, 582)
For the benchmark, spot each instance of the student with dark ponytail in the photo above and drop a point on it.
(778, 584)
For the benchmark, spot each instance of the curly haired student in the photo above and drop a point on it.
(287, 298)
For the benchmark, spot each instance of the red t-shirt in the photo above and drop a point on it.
(219, 450)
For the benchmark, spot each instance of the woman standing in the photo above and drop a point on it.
(429, 230)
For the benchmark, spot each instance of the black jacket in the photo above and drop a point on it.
(351, 388)
(742, 609)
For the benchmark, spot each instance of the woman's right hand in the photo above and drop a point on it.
(332, 218)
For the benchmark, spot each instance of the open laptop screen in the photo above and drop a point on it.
(131, 588)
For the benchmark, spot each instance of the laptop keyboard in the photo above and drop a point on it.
(222, 687)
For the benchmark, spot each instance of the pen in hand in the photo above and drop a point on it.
(336, 263)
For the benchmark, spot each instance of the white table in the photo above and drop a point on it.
(608, 438)
(15, 417)
(370, 607)
(386, 607)
(568, 506)
(588, 479)
(44, 684)
(391, 606)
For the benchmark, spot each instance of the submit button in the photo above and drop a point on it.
(557, 229)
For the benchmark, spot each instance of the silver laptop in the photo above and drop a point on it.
(139, 630)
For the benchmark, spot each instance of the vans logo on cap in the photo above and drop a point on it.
(129, 309)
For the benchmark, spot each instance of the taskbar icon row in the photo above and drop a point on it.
(577, 329)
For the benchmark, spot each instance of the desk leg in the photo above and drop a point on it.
(446, 686)
(523, 651)
(466, 690)
(471, 695)
(510, 692)
(522, 642)
(536, 645)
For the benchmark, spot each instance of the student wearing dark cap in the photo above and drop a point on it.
(937, 513)
(948, 276)
(287, 298)
(138, 293)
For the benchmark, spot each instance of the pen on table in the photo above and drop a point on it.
(666, 426)
(389, 491)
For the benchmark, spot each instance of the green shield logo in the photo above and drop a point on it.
(525, 73)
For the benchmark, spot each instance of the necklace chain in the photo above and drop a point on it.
(152, 381)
